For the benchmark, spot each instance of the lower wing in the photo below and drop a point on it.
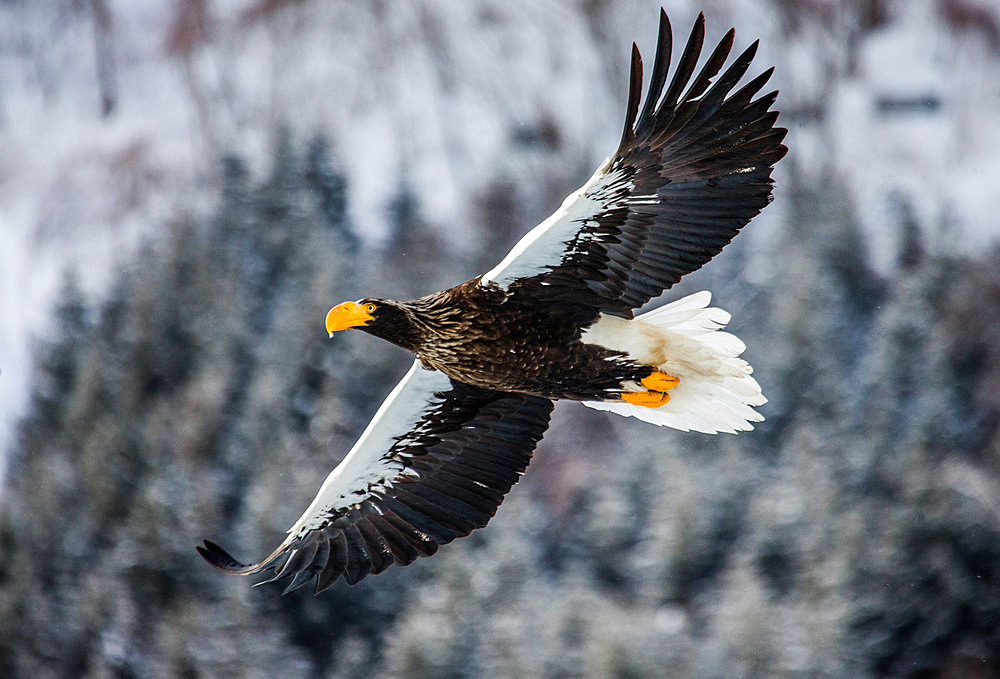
(433, 465)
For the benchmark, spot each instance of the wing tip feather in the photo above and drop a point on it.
(222, 560)
(634, 97)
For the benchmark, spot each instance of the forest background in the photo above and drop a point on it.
(186, 188)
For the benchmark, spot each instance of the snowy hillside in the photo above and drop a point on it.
(187, 187)
(448, 97)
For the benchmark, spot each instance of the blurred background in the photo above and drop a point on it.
(187, 186)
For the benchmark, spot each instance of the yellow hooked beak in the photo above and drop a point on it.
(348, 315)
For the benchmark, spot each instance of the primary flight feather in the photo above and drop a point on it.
(555, 319)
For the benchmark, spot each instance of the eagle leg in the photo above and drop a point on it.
(647, 399)
(659, 381)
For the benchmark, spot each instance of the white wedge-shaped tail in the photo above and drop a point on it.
(716, 392)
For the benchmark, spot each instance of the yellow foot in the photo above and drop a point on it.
(648, 399)
(659, 381)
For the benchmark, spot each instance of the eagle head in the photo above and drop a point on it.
(380, 317)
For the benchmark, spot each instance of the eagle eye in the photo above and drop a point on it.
(370, 308)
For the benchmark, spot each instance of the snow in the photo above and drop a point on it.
(942, 161)
(435, 91)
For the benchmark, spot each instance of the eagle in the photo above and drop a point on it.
(555, 319)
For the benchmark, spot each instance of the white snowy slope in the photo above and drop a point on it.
(447, 93)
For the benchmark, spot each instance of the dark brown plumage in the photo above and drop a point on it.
(554, 320)
(482, 336)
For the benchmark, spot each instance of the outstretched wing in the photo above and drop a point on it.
(693, 167)
(433, 465)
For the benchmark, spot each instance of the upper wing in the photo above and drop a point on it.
(433, 464)
(692, 169)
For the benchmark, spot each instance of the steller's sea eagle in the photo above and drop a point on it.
(555, 319)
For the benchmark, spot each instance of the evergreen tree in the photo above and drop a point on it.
(168, 418)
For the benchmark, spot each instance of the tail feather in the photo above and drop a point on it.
(682, 310)
(716, 392)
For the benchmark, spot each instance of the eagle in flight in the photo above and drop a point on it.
(555, 320)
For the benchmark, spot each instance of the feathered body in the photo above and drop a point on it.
(482, 335)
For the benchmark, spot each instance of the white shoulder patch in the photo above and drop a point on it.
(544, 246)
(366, 463)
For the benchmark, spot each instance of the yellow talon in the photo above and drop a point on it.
(659, 381)
(647, 399)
